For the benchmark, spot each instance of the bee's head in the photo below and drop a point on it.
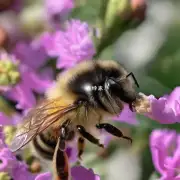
(106, 85)
(122, 87)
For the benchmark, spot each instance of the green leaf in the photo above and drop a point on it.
(88, 11)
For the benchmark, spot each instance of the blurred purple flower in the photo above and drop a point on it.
(30, 80)
(127, 116)
(7, 121)
(77, 173)
(30, 54)
(81, 173)
(11, 5)
(70, 46)
(166, 109)
(13, 27)
(165, 149)
(17, 5)
(57, 11)
(44, 176)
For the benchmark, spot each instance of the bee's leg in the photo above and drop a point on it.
(63, 135)
(88, 136)
(60, 162)
(60, 158)
(81, 146)
(112, 130)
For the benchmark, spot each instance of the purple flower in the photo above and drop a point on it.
(30, 80)
(57, 11)
(81, 173)
(70, 46)
(77, 173)
(127, 116)
(44, 176)
(30, 54)
(165, 149)
(166, 109)
(16, 5)
(7, 121)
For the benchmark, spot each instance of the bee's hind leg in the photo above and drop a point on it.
(112, 130)
(88, 136)
(60, 162)
(60, 158)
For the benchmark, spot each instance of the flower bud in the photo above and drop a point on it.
(14, 77)
(4, 176)
(10, 131)
(139, 8)
(9, 73)
(4, 80)
(115, 7)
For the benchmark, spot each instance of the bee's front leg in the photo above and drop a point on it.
(88, 136)
(112, 130)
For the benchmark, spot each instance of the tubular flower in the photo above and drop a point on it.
(166, 109)
(165, 149)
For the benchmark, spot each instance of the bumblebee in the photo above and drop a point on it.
(76, 107)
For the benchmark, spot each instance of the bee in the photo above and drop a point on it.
(75, 107)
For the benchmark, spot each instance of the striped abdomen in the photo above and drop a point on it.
(44, 146)
(49, 149)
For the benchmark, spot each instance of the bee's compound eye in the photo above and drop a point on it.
(111, 82)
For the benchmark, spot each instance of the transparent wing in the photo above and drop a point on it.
(38, 119)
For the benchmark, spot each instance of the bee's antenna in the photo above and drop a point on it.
(135, 80)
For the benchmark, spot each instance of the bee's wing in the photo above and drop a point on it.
(38, 119)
